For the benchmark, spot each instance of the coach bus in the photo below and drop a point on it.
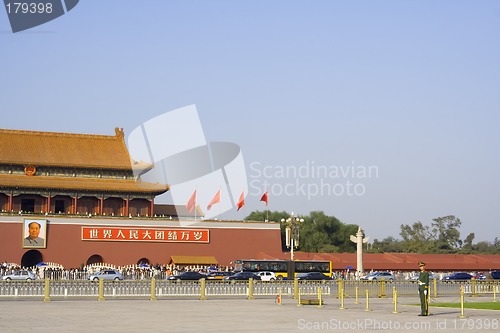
(282, 267)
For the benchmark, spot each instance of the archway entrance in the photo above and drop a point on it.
(94, 259)
(143, 262)
(31, 258)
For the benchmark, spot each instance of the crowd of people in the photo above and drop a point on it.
(129, 272)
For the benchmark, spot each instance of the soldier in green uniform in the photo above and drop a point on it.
(423, 290)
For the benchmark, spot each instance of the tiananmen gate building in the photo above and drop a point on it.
(80, 190)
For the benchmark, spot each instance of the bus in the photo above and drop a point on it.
(282, 268)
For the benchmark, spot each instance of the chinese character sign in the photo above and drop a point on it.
(145, 234)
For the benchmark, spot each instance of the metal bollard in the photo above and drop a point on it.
(357, 298)
(203, 295)
(320, 301)
(382, 289)
(46, 291)
(342, 300)
(462, 315)
(295, 288)
(341, 286)
(250, 289)
(395, 297)
(101, 290)
(367, 302)
(298, 297)
(152, 297)
(435, 288)
(473, 287)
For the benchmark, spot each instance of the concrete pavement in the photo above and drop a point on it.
(235, 315)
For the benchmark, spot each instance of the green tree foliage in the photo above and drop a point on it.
(318, 232)
(487, 247)
(467, 247)
(442, 236)
(446, 235)
(388, 244)
(416, 238)
(267, 215)
(323, 233)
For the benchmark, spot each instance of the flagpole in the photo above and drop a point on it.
(244, 207)
(267, 210)
(265, 198)
(220, 203)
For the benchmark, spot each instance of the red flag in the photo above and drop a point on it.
(265, 198)
(215, 199)
(192, 202)
(241, 201)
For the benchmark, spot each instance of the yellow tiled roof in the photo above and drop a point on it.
(81, 183)
(64, 149)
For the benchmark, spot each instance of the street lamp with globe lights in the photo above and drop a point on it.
(292, 232)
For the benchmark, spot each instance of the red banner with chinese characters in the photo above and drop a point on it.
(145, 234)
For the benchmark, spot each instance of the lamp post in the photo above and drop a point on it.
(292, 233)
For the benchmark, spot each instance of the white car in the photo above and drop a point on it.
(377, 276)
(20, 275)
(107, 274)
(266, 276)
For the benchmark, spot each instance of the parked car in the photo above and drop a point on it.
(188, 275)
(218, 275)
(378, 276)
(457, 276)
(495, 275)
(20, 276)
(241, 276)
(267, 276)
(479, 276)
(316, 276)
(106, 274)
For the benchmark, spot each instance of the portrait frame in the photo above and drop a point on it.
(41, 241)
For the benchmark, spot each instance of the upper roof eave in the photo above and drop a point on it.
(81, 184)
(68, 150)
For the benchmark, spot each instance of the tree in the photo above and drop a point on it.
(416, 238)
(388, 244)
(312, 239)
(342, 237)
(318, 232)
(467, 247)
(445, 233)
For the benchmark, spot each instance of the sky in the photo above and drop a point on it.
(379, 112)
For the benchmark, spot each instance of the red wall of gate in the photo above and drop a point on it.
(64, 245)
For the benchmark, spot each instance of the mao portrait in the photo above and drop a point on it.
(34, 233)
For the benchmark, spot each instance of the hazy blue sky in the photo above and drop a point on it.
(408, 90)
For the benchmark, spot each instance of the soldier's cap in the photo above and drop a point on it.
(421, 263)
